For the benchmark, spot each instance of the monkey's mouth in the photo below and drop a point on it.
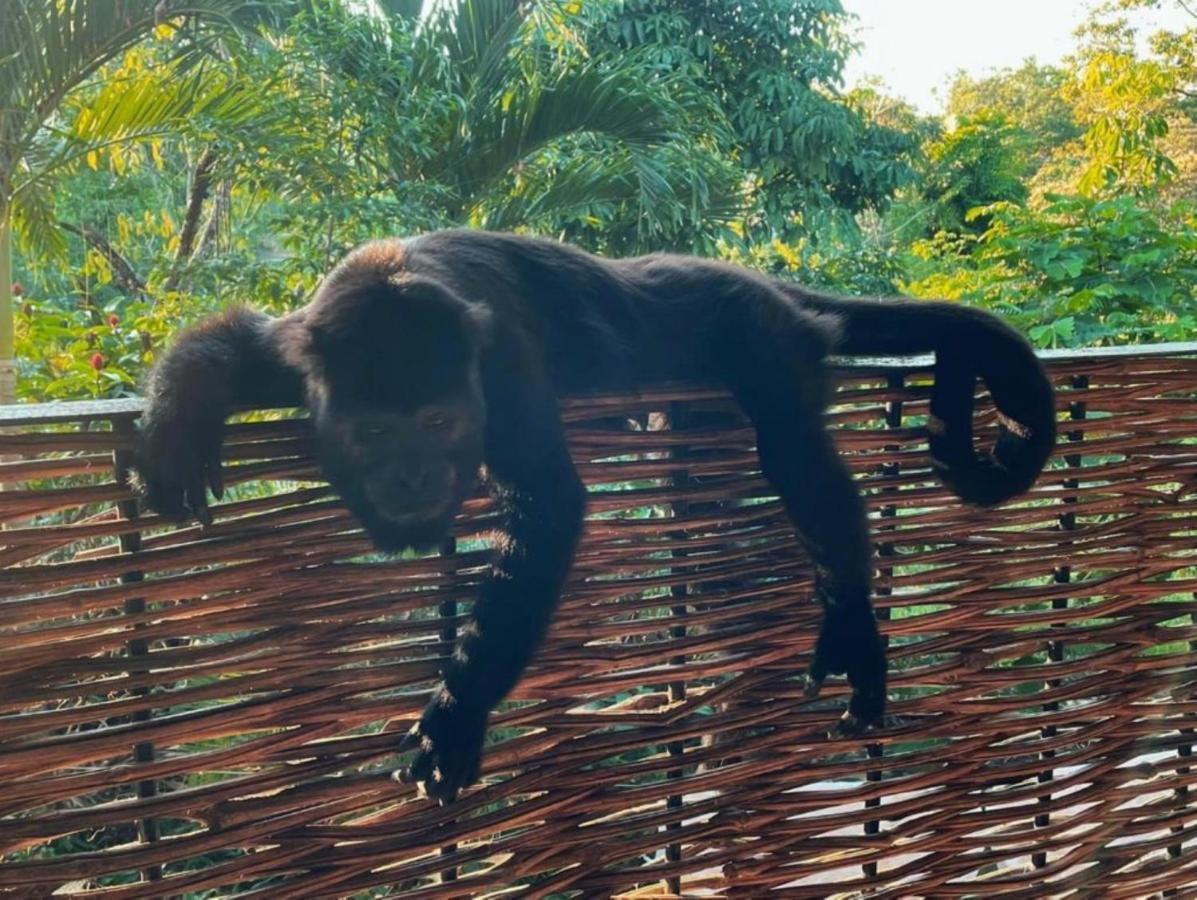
(408, 518)
(395, 530)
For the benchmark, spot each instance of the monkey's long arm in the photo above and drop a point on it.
(226, 362)
(545, 502)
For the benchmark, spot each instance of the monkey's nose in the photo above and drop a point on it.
(405, 490)
(412, 481)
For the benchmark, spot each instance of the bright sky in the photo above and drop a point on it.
(916, 46)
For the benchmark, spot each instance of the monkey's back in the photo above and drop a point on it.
(614, 324)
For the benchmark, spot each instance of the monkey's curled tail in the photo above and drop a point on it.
(968, 343)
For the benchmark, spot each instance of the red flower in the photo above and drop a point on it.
(17, 289)
(113, 320)
(97, 361)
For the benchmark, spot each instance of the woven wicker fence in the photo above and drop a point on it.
(206, 711)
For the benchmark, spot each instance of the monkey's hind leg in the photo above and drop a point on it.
(785, 402)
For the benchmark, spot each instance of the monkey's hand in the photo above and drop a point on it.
(177, 457)
(448, 743)
(229, 361)
(849, 644)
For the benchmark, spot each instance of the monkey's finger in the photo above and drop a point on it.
(420, 769)
(216, 475)
(446, 782)
(411, 740)
(818, 672)
(197, 499)
(402, 775)
(811, 685)
(851, 725)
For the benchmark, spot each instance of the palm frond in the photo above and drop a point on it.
(50, 47)
(35, 225)
(473, 38)
(155, 103)
(579, 185)
(131, 108)
(661, 191)
(47, 48)
(620, 103)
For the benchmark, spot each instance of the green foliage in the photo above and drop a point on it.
(139, 104)
(1030, 99)
(92, 351)
(1080, 272)
(1123, 102)
(979, 162)
(852, 263)
(774, 67)
(488, 113)
(1063, 212)
(47, 50)
(158, 180)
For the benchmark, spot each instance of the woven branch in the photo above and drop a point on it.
(189, 710)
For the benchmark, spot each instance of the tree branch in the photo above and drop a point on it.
(201, 187)
(123, 274)
(221, 202)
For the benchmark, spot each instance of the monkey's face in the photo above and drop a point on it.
(403, 474)
(391, 362)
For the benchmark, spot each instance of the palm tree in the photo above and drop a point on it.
(47, 49)
(529, 129)
(542, 130)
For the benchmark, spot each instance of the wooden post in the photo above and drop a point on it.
(137, 649)
(886, 551)
(1062, 575)
(680, 478)
(447, 610)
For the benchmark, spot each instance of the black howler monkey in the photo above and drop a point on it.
(421, 359)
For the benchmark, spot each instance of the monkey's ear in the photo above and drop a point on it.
(301, 344)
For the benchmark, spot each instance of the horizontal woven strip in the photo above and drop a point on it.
(203, 710)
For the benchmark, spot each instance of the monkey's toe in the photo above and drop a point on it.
(812, 685)
(851, 726)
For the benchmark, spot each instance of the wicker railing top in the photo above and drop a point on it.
(203, 711)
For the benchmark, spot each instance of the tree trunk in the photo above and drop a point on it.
(201, 186)
(222, 203)
(123, 275)
(8, 364)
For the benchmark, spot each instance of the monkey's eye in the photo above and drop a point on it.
(368, 432)
(436, 420)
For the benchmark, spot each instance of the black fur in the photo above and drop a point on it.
(421, 359)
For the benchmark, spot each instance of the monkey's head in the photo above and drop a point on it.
(391, 362)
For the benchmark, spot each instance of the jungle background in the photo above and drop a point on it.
(160, 159)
